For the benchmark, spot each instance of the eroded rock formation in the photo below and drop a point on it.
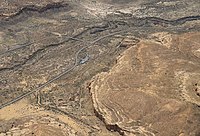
(51, 49)
(153, 89)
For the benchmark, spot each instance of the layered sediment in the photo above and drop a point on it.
(154, 87)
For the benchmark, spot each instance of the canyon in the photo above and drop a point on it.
(99, 68)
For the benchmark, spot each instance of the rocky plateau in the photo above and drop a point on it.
(99, 68)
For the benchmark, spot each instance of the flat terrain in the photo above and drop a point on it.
(100, 68)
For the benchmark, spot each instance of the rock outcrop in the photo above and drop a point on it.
(153, 89)
(50, 50)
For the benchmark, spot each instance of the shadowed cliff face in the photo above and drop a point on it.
(101, 68)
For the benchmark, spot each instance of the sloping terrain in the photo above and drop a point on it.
(101, 68)
(153, 89)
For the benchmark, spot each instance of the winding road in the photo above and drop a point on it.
(63, 73)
